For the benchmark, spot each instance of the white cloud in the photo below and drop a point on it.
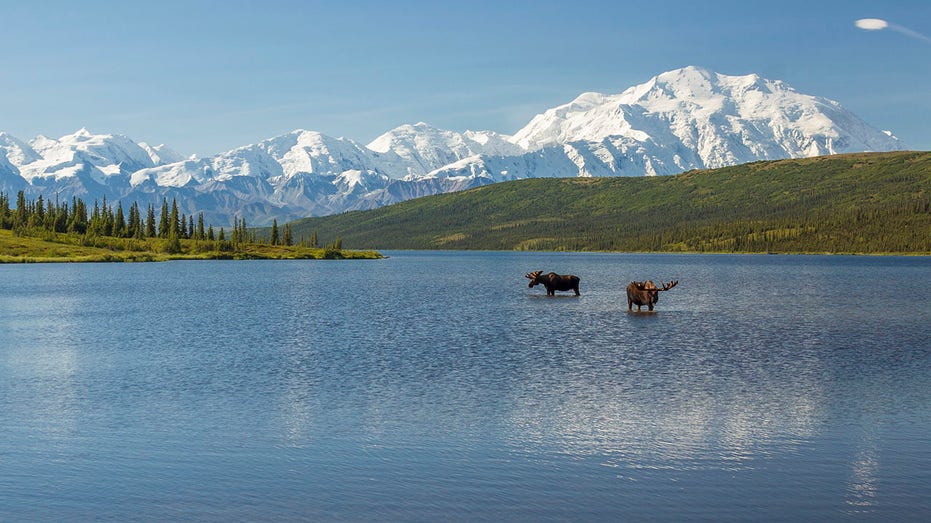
(872, 24)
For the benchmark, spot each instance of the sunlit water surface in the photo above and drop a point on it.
(434, 386)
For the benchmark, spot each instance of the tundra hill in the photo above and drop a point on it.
(853, 203)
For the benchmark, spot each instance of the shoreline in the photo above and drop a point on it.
(72, 249)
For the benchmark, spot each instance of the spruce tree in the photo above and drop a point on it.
(93, 224)
(174, 224)
(73, 216)
(21, 215)
(132, 221)
(174, 233)
(39, 215)
(200, 226)
(174, 220)
(286, 237)
(62, 217)
(274, 237)
(135, 221)
(50, 221)
(119, 221)
(4, 211)
(150, 231)
(106, 224)
(163, 225)
(78, 223)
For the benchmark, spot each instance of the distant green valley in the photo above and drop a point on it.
(868, 203)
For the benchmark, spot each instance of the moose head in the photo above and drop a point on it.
(641, 293)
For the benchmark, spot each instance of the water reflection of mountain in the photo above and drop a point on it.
(658, 404)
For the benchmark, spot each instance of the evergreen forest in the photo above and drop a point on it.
(51, 230)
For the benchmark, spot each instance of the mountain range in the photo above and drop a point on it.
(688, 118)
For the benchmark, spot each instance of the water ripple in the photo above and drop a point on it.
(436, 384)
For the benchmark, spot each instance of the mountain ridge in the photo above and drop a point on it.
(683, 119)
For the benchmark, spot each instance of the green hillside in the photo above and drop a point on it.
(858, 203)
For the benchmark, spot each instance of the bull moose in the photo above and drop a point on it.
(554, 282)
(641, 293)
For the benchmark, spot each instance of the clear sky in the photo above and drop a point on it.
(207, 76)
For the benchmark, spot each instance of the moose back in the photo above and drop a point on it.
(554, 282)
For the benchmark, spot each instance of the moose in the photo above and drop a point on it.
(554, 282)
(641, 293)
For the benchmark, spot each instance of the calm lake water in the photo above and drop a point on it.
(434, 386)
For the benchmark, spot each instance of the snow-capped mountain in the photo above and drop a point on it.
(100, 157)
(161, 154)
(691, 117)
(412, 151)
(683, 119)
(15, 151)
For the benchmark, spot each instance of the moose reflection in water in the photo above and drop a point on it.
(642, 293)
(554, 282)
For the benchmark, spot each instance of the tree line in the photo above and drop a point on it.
(38, 216)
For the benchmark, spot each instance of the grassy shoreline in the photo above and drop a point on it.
(18, 249)
(688, 253)
(69, 248)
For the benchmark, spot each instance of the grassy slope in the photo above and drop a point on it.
(69, 248)
(866, 203)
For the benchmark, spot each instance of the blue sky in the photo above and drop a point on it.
(207, 76)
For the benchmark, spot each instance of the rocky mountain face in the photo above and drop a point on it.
(685, 119)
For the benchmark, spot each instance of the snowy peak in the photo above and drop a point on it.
(311, 152)
(161, 154)
(15, 151)
(723, 119)
(400, 136)
(689, 83)
(101, 158)
(423, 148)
(274, 160)
(107, 154)
(493, 143)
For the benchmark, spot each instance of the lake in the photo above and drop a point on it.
(437, 386)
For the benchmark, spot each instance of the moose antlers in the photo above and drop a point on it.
(533, 275)
(650, 286)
